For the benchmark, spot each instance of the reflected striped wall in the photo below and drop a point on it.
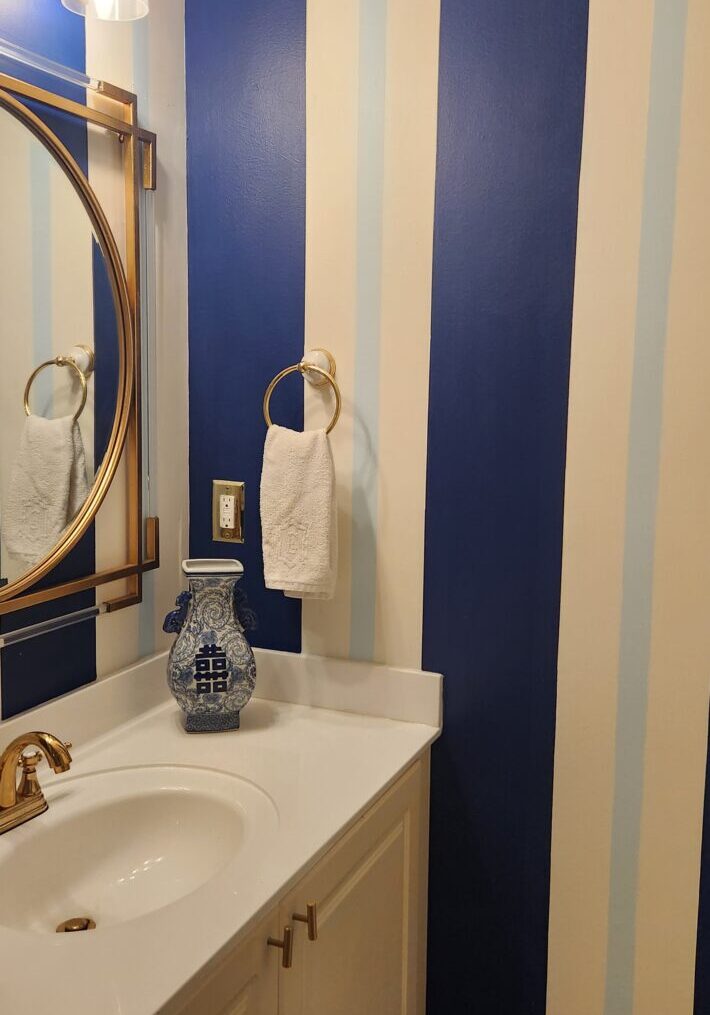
(148, 58)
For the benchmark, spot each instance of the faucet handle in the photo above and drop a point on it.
(27, 761)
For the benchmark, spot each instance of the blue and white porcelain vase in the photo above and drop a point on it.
(211, 668)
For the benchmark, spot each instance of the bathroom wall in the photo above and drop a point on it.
(486, 217)
(320, 237)
(632, 696)
(511, 90)
(146, 57)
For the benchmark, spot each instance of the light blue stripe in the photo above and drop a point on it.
(655, 260)
(371, 156)
(41, 259)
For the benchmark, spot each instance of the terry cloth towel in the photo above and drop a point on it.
(48, 486)
(298, 513)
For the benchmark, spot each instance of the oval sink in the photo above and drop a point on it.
(117, 845)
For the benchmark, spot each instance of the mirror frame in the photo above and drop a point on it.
(116, 112)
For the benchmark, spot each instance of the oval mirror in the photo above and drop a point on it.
(65, 352)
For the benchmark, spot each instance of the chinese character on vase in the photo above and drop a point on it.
(211, 670)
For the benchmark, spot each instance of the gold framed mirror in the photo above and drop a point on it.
(113, 111)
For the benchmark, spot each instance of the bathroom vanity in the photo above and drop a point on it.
(281, 868)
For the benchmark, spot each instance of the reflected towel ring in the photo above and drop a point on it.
(304, 368)
(58, 361)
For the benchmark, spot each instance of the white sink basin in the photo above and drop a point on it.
(119, 844)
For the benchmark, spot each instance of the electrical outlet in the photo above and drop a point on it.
(227, 511)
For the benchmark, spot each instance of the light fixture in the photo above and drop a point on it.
(108, 10)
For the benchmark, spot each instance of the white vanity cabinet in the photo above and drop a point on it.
(370, 890)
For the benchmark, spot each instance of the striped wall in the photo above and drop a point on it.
(634, 638)
(566, 808)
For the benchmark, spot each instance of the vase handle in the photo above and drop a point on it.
(174, 621)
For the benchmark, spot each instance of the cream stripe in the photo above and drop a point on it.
(676, 742)
(332, 78)
(611, 191)
(408, 223)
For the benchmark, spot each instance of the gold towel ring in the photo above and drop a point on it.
(58, 361)
(304, 368)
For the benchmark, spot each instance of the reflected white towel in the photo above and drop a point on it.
(48, 486)
(298, 513)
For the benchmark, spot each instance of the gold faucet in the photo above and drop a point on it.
(24, 800)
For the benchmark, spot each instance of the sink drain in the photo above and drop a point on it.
(76, 923)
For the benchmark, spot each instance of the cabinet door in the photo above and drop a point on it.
(370, 892)
(244, 983)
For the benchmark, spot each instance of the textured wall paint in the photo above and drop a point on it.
(246, 205)
(510, 123)
(631, 730)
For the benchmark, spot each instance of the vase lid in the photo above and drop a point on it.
(215, 567)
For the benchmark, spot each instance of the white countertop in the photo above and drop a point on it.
(320, 768)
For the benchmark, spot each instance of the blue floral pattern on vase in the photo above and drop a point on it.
(211, 668)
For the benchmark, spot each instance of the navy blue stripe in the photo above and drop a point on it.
(511, 95)
(36, 670)
(702, 960)
(246, 229)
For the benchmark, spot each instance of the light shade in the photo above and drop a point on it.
(108, 10)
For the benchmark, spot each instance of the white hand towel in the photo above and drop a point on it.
(48, 486)
(298, 513)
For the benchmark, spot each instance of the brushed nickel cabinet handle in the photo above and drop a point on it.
(311, 918)
(286, 946)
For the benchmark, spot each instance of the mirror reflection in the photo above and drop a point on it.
(59, 351)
